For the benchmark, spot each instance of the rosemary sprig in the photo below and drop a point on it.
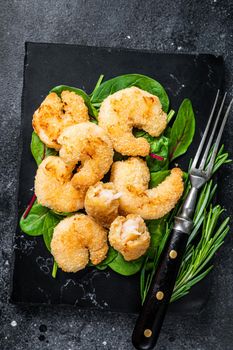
(201, 247)
(195, 263)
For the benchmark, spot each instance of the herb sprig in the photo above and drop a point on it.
(206, 238)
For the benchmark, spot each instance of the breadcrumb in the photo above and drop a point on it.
(128, 108)
(129, 236)
(75, 240)
(55, 114)
(131, 178)
(53, 186)
(102, 203)
(88, 144)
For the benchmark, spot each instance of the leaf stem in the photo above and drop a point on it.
(99, 81)
(29, 207)
(170, 115)
(54, 271)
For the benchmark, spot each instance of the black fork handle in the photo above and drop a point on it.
(150, 320)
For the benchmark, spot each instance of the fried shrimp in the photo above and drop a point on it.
(129, 236)
(102, 203)
(75, 240)
(53, 186)
(131, 178)
(88, 144)
(55, 114)
(128, 108)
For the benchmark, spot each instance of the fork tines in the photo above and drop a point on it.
(210, 133)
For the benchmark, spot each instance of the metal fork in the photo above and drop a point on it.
(150, 320)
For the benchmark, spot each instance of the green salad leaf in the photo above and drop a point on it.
(112, 253)
(126, 268)
(40, 221)
(92, 110)
(182, 130)
(159, 157)
(159, 176)
(40, 150)
(124, 81)
(159, 151)
(156, 229)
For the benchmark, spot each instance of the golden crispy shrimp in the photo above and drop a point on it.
(128, 108)
(55, 114)
(102, 203)
(75, 240)
(129, 236)
(89, 144)
(53, 186)
(131, 178)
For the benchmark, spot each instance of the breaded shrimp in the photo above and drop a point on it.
(89, 144)
(75, 240)
(128, 108)
(131, 178)
(129, 236)
(102, 203)
(55, 114)
(53, 186)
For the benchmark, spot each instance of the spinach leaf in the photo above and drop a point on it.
(37, 148)
(159, 151)
(159, 157)
(123, 81)
(112, 253)
(126, 268)
(92, 111)
(157, 229)
(40, 150)
(182, 130)
(40, 221)
(159, 176)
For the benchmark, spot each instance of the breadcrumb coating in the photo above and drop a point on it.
(129, 236)
(88, 144)
(53, 186)
(76, 239)
(102, 203)
(55, 114)
(131, 178)
(128, 108)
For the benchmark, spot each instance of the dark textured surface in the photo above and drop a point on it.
(181, 26)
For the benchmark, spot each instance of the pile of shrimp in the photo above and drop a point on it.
(77, 178)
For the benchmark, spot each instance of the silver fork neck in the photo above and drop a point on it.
(183, 221)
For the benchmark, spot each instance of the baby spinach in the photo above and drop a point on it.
(159, 176)
(124, 81)
(159, 151)
(159, 147)
(40, 221)
(182, 130)
(40, 150)
(157, 229)
(126, 268)
(58, 89)
(112, 253)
